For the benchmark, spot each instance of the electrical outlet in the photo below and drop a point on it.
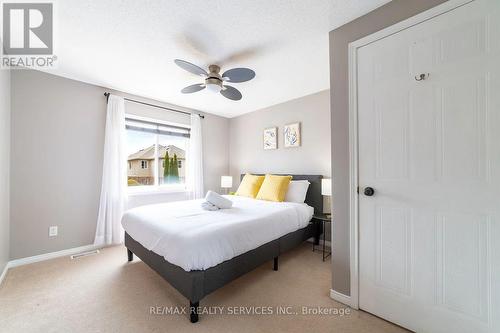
(53, 231)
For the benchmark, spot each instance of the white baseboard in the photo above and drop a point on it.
(47, 256)
(4, 272)
(339, 297)
(51, 255)
(327, 243)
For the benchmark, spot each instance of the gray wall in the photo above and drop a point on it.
(312, 157)
(376, 20)
(4, 166)
(57, 139)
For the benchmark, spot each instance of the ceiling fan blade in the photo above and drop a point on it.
(231, 93)
(193, 88)
(190, 67)
(238, 75)
(241, 56)
(200, 41)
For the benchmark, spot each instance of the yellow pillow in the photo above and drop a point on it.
(250, 185)
(274, 188)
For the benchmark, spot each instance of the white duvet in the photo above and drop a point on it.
(196, 239)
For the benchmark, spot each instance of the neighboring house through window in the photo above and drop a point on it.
(156, 153)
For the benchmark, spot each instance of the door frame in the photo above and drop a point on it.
(353, 299)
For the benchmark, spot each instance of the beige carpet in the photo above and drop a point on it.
(104, 293)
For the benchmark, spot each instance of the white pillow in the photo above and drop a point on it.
(297, 190)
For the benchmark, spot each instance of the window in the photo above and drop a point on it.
(156, 153)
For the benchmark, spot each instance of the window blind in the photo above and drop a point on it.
(156, 128)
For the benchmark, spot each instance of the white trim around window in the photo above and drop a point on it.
(147, 190)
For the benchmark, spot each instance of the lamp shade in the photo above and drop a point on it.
(226, 181)
(326, 186)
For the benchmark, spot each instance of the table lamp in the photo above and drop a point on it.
(226, 182)
(326, 189)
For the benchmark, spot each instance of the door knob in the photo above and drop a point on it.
(369, 191)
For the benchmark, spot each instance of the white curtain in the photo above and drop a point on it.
(114, 176)
(195, 159)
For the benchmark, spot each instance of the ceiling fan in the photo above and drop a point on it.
(215, 81)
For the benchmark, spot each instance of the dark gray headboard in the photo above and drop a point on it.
(313, 197)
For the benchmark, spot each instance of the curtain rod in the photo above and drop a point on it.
(154, 106)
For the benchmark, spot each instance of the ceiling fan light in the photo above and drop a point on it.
(213, 84)
(214, 87)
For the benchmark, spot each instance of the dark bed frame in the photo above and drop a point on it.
(195, 285)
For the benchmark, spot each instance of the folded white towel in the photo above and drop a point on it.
(208, 206)
(218, 200)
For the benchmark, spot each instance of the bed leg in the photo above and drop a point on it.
(130, 255)
(193, 311)
(275, 267)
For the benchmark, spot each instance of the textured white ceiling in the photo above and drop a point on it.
(130, 46)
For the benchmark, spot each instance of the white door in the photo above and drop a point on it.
(429, 237)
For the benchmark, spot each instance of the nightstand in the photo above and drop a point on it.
(322, 222)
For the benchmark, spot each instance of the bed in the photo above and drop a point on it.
(198, 252)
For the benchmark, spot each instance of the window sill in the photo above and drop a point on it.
(156, 190)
